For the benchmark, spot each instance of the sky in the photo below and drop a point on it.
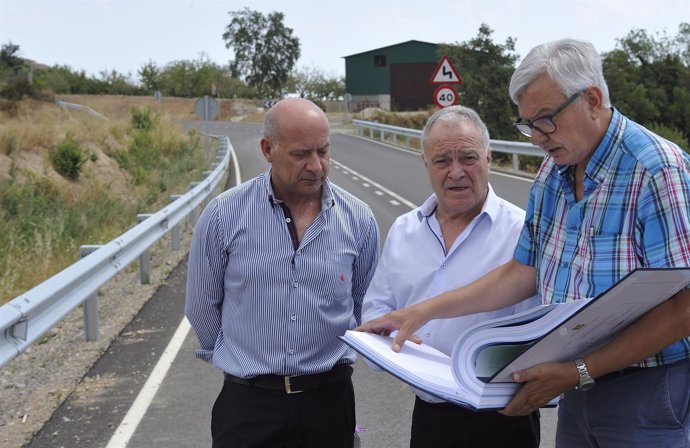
(123, 35)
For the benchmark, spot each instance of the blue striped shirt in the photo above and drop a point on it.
(635, 212)
(258, 305)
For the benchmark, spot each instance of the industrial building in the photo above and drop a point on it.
(394, 78)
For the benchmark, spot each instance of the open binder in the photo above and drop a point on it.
(477, 375)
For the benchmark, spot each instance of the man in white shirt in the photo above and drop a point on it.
(460, 233)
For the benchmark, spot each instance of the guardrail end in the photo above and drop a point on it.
(20, 330)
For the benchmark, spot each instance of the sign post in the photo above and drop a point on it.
(158, 95)
(445, 74)
(207, 109)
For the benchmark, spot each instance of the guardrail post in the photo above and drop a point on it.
(516, 164)
(383, 135)
(91, 326)
(175, 233)
(144, 258)
(194, 215)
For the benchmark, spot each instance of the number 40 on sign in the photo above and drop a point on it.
(445, 96)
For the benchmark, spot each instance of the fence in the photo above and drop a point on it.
(66, 105)
(412, 139)
(26, 318)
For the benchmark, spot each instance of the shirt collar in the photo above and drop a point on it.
(327, 200)
(602, 158)
(489, 208)
(600, 163)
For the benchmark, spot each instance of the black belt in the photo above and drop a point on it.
(296, 383)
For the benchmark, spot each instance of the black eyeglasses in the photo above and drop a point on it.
(543, 124)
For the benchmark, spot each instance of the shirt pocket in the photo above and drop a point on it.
(608, 257)
(337, 275)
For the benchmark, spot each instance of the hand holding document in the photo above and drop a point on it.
(477, 375)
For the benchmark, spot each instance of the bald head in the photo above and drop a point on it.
(291, 112)
(297, 144)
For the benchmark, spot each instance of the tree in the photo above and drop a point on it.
(313, 84)
(649, 78)
(150, 76)
(486, 68)
(192, 79)
(9, 58)
(265, 50)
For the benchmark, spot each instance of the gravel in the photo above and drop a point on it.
(34, 385)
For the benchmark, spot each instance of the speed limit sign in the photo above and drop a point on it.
(445, 96)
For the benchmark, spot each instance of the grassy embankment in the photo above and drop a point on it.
(116, 169)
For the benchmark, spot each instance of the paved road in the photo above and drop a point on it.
(178, 413)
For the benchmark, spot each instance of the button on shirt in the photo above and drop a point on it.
(414, 266)
(635, 212)
(258, 305)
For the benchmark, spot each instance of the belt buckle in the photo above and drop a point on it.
(288, 387)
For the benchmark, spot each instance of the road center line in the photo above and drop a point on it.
(376, 185)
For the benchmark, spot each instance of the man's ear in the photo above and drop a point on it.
(594, 99)
(489, 152)
(267, 149)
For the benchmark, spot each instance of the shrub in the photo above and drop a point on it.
(141, 119)
(68, 158)
(672, 134)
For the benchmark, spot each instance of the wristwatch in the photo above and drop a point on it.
(586, 382)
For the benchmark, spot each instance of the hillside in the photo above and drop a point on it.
(130, 162)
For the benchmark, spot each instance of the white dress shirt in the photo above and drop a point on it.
(414, 266)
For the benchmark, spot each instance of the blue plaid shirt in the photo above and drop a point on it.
(635, 212)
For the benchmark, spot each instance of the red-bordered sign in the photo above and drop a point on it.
(445, 96)
(445, 73)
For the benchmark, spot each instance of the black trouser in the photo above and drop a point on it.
(445, 425)
(246, 416)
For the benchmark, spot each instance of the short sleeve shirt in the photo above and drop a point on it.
(635, 212)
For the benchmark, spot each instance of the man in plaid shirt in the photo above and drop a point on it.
(610, 197)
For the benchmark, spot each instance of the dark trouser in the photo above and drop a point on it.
(247, 416)
(633, 408)
(445, 425)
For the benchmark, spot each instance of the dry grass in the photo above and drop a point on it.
(29, 131)
(116, 106)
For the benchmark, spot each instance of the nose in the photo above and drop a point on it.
(456, 171)
(537, 138)
(314, 163)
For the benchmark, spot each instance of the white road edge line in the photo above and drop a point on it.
(136, 413)
(125, 430)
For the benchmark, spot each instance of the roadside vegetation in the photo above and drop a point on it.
(68, 178)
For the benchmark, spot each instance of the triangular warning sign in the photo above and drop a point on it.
(445, 73)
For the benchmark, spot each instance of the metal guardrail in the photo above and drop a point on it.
(409, 136)
(27, 317)
(66, 105)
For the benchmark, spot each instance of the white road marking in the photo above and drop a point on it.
(135, 414)
(379, 186)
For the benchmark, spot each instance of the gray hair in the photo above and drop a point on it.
(574, 65)
(457, 115)
(271, 126)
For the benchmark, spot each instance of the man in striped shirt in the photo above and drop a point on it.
(610, 197)
(278, 269)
